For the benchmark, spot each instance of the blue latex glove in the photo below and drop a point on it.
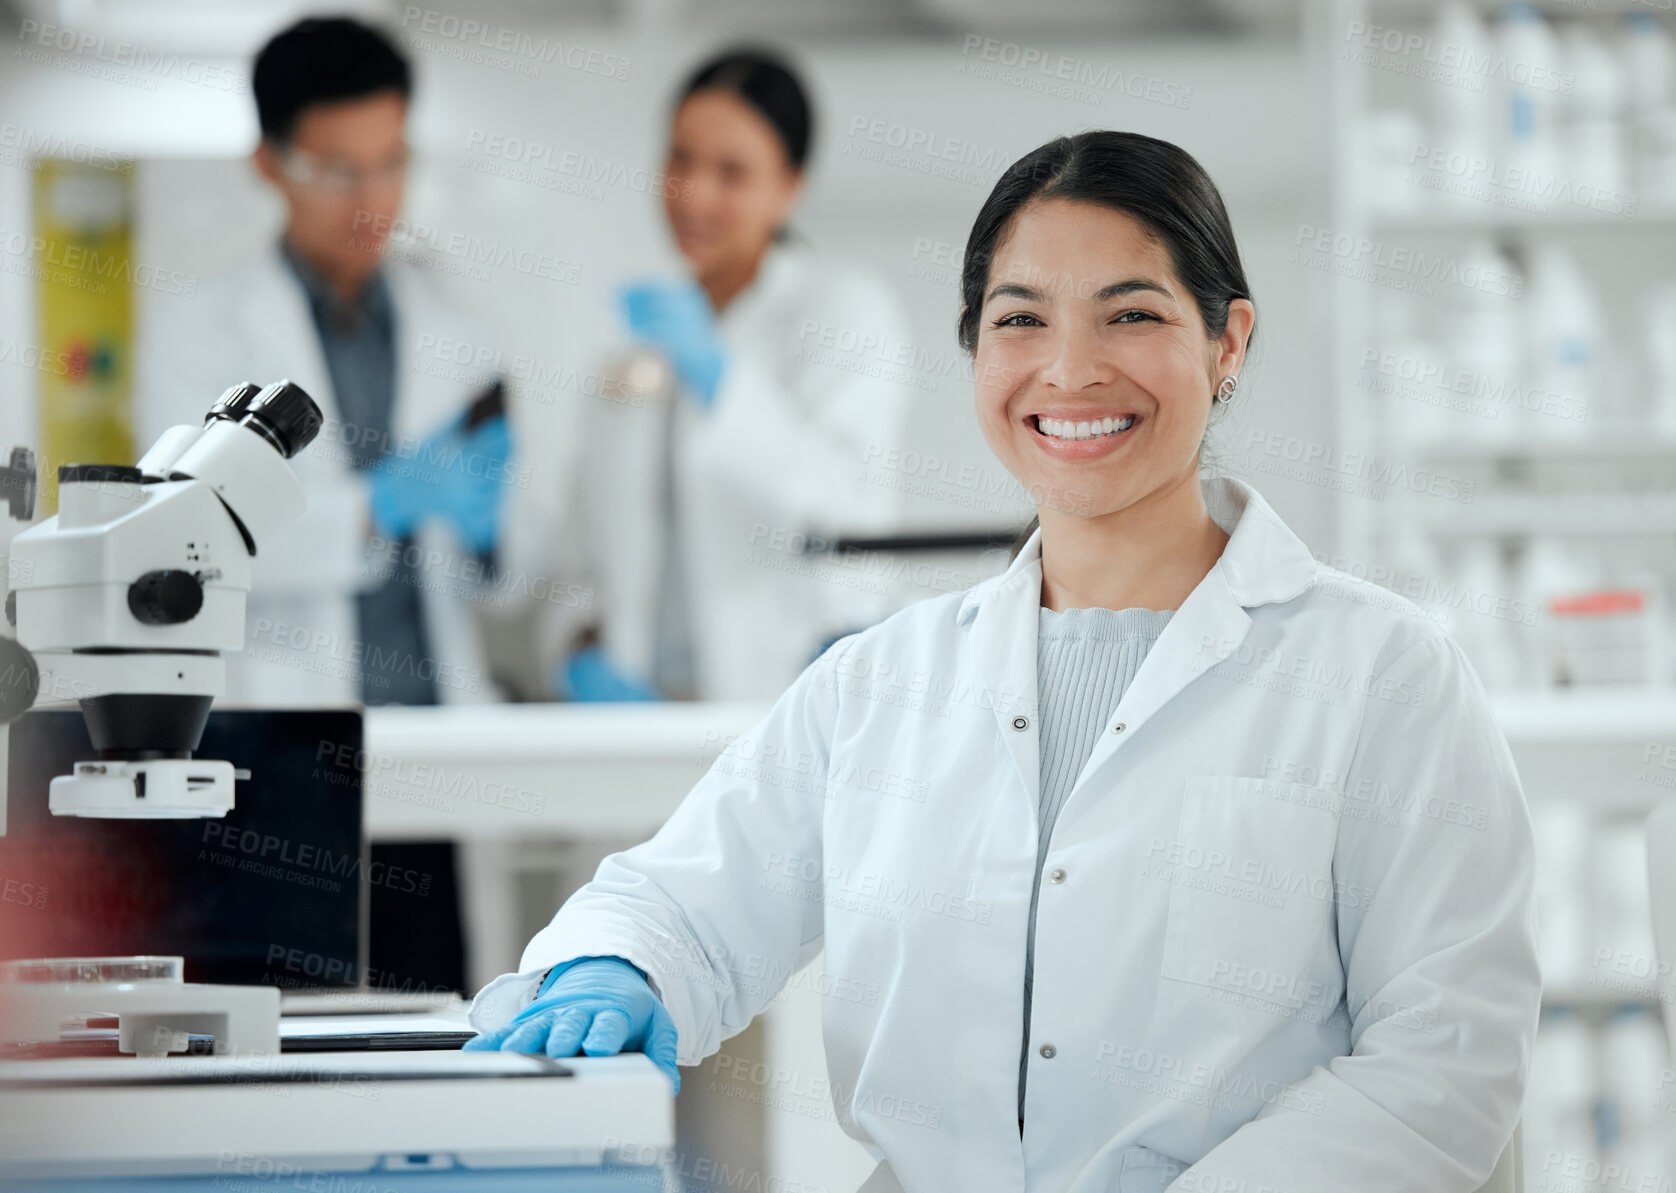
(600, 1005)
(588, 675)
(677, 319)
(457, 475)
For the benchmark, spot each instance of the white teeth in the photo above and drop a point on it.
(1060, 428)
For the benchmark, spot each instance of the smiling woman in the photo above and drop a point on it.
(1172, 908)
(1105, 306)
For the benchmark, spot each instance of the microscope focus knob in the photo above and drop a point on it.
(167, 597)
(18, 477)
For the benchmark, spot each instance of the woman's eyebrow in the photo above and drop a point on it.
(1119, 289)
(1014, 290)
(1104, 294)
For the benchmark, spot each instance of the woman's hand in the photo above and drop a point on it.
(598, 1005)
(677, 319)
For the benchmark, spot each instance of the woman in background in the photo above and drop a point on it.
(692, 505)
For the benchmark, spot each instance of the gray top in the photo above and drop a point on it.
(358, 343)
(1085, 661)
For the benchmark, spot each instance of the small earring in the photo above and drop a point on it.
(1225, 391)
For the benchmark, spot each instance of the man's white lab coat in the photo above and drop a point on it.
(254, 324)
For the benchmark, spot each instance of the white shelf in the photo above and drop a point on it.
(1585, 998)
(1595, 515)
(1612, 443)
(1625, 715)
(1591, 10)
(1471, 222)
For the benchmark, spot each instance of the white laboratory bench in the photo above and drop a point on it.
(501, 779)
(572, 771)
(459, 770)
(528, 770)
(390, 1121)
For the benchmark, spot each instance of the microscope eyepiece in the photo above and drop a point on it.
(286, 416)
(233, 403)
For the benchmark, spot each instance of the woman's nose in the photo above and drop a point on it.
(1077, 359)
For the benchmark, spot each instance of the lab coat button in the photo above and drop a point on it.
(1021, 723)
(1049, 1052)
(1119, 727)
(1057, 876)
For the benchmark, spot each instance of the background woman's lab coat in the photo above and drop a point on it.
(1286, 930)
(254, 324)
(813, 389)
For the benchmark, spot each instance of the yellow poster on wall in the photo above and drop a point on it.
(84, 306)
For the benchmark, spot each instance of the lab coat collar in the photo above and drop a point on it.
(1263, 563)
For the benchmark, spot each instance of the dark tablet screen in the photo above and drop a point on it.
(270, 894)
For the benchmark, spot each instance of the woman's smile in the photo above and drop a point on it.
(1085, 435)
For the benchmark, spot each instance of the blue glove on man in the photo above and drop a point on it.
(588, 675)
(457, 475)
(677, 319)
(600, 1005)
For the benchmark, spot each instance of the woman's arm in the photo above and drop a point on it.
(692, 907)
(1441, 976)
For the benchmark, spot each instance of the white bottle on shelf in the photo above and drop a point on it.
(1487, 344)
(1594, 140)
(1407, 375)
(1391, 136)
(1635, 1062)
(1564, 344)
(1552, 567)
(1648, 59)
(1559, 1102)
(1624, 953)
(1492, 644)
(1561, 830)
(1462, 123)
(1530, 90)
(1661, 357)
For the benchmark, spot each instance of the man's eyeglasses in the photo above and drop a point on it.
(339, 178)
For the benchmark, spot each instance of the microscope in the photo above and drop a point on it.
(126, 601)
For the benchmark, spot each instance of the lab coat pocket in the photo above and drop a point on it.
(1251, 898)
(1147, 1171)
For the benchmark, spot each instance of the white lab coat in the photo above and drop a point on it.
(813, 390)
(1286, 936)
(254, 324)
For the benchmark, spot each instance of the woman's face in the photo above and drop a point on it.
(728, 185)
(1083, 321)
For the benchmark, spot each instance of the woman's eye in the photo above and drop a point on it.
(1018, 319)
(1136, 317)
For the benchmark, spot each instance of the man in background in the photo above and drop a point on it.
(410, 468)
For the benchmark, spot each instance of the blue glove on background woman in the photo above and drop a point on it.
(676, 318)
(598, 1005)
(588, 675)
